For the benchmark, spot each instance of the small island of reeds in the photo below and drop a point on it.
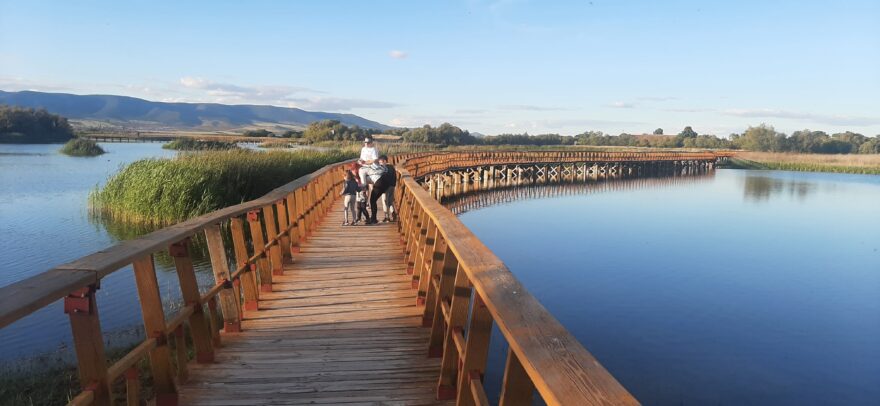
(163, 191)
(82, 147)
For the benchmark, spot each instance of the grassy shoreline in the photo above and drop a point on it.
(854, 164)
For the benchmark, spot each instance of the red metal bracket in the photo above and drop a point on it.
(179, 249)
(80, 301)
(160, 337)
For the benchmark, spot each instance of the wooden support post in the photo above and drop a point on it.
(265, 273)
(154, 326)
(420, 230)
(293, 233)
(88, 342)
(425, 263)
(272, 233)
(229, 300)
(132, 387)
(248, 278)
(476, 350)
(212, 318)
(189, 290)
(283, 224)
(300, 215)
(435, 303)
(458, 313)
(182, 359)
(517, 388)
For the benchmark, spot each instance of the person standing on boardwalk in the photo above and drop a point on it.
(369, 156)
(383, 179)
(388, 196)
(349, 190)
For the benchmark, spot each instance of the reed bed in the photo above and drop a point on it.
(163, 191)
(840, 163)
(82, 147)
(191, 144)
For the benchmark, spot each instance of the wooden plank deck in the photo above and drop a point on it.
(340, 327)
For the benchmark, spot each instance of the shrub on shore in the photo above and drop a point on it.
(82, 147)
(190, 144)
(30, 126)
(162, 191)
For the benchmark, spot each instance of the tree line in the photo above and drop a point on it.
(757, 138)
(32, 126)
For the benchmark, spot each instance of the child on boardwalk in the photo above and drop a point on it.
(362, 205)
(349, 190)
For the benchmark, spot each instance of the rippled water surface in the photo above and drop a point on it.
(44, 221)
(738, 288)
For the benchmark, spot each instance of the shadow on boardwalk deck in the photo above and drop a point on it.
(340, 327)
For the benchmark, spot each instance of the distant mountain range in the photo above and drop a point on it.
(144, 114)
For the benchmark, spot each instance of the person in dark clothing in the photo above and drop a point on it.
(388, 197)
(380, 186)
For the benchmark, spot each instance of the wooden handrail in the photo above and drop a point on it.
(438, 245)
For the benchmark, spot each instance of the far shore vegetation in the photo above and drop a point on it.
(839, 163)
(30, 126)
(191, 144)
(82, 147)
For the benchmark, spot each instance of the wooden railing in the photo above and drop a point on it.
(463, 285)
(264, 232)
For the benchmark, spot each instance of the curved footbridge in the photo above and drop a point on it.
(306, 311)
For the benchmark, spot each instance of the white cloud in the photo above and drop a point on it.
(622, 105)
(798, 115)
(396, 54)
(658, 98)
(335, 103)
(529, 107)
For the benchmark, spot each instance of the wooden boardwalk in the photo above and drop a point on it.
(340, 327)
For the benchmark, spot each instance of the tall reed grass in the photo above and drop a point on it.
(839, 163)
(191, 144)
(163, 191)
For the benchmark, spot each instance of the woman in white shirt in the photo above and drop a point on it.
(369, 155)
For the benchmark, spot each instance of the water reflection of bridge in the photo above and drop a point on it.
(461, 198)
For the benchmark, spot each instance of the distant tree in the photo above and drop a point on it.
(258, 133)
(292, 134)
(871, 146)
(658, 131)
(688, 132)
(445, 134)
(30, 126)
(761, 138)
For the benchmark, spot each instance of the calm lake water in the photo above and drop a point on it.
(44, 221)
(736, 288)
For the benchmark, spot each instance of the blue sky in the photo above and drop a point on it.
(487, 66)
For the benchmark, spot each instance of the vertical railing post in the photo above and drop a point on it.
(517, 388)
(300, 217)
(248, 278)
(154, 326)
(283, 225)
(272, 234)
(436, 303)
(132, 387)
(476, 350)
(189, 290)
(229, 301)
(293, 234)
(425, 262)
(455, 320)
(88, 342)
(259, 243)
